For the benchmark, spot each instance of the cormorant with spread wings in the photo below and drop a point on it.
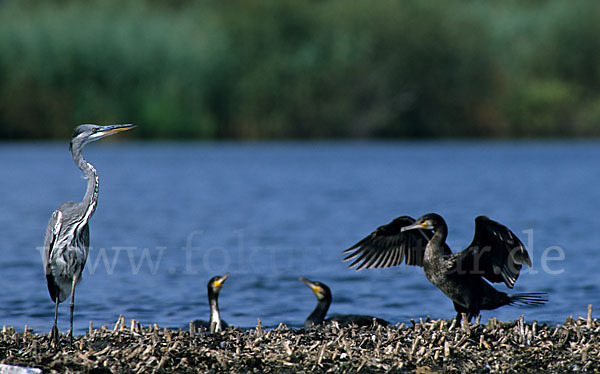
(495, 254)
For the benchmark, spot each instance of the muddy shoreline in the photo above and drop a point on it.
(422, 346)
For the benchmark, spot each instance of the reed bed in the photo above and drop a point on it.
(424, 346)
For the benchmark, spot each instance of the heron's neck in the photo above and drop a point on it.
(215, 317)
(90, 199)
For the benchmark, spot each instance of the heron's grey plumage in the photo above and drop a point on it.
(67, 239)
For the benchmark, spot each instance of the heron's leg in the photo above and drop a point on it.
(72, 307)
(55, 327)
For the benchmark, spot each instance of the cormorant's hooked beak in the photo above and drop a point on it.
(219, 282)
(423, 225)
(315, 288)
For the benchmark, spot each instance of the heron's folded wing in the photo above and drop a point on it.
(52, 232)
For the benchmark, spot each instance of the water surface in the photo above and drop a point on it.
(171, 215)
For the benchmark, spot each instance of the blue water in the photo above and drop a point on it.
(171, 215)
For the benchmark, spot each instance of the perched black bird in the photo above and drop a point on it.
(495, 254)
(317, 317)
(215, 324)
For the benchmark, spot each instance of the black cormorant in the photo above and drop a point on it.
(495, 254)
(317, 317)
(216, 323)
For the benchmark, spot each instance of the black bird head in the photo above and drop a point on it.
(430, 221)
(216, 283)
(321, 290)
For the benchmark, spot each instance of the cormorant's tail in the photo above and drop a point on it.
(529, 298)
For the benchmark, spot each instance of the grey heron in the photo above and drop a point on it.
(495, 254)
(67, 239)
(323, 294)
(215, 324)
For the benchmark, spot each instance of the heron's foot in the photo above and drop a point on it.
(71, 339)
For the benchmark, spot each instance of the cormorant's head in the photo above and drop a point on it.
(216, 283)
(429, 221)
(320, 289)
(88, 133)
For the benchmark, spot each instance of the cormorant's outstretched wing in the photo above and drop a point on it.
(496, 253)
(387, 246)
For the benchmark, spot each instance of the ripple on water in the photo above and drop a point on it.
(269, 213)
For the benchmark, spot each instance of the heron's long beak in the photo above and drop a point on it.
(422, 225)
(316, 289)
(219, 282)
(113, 129)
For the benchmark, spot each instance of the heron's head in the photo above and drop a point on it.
(320, 289)
(216, 283)
(427, 222)
(88, 133)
